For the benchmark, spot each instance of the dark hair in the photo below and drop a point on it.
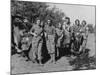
(77, 20)
(68, 20)
(84, 22)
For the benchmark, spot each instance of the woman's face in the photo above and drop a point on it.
(77, 22)
(83, 23)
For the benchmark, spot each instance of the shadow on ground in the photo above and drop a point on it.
(83, 61)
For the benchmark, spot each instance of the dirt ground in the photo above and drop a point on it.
(19, 65)
(91, 44)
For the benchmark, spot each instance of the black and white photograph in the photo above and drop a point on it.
(52, 37)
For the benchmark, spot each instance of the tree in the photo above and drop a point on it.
(32, 10)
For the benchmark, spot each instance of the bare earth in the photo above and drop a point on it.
(19, 65)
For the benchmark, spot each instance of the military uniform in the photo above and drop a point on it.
(50, 41)
(36, 31)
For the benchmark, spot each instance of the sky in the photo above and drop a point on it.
(80, 12)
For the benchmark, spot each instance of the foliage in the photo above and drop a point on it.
(32, 10)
